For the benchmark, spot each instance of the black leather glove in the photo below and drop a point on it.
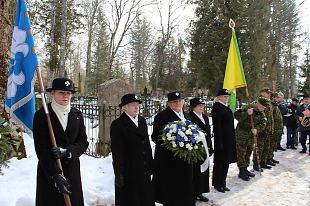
(61, 184)
(119, 180)
(59, 152)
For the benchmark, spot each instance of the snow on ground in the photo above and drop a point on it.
(287, 184)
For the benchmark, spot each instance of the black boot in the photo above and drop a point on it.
(250, 174)
(202, 198)
(269, 162)
(255, 167)
(265, 166)
(275, 161)
(242, 174)
(280, 148)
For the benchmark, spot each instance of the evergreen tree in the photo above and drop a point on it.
(305, 75)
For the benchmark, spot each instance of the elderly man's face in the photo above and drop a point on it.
(132, 109)
(223, 98)
(62, 97)
(176, 105)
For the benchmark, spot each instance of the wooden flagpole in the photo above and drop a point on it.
(50, 128)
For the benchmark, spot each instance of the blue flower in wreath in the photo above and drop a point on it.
(167, 130)
(195, 131)
(187, 122)
(192, 139)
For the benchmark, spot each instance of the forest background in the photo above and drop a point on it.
(166, 45)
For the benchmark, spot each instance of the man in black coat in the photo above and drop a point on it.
(132, 156)
(173, 177)
(197, 116)
(71, 139)
(291, 124)
(302, 111)
(224, 140)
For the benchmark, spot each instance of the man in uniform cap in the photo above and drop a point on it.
(275, 138)
(224, 140)
(132, 155)
(244, 134)
(69, 130)
(173, 177)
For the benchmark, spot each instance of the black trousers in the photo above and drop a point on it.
(303, 139)
(220, 170)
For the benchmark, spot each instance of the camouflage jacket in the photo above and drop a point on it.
(244, 122)
(270, 118)
(277, 117)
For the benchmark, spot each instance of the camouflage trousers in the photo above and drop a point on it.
(274, 139)
(244, 146)
(263, 144)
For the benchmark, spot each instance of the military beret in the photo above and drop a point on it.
(274, 94)
(263, 101)
(265, 89)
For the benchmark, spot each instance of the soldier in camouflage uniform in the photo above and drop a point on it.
(244, 134)
(278, 129)
(263, 141)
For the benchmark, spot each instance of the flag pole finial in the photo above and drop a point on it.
(232, 24)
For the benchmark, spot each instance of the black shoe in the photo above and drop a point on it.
(287, 147)
(250, 174)
(275, 161)
(220, 189)
(292, 147)
(242, 174)
(269, 162)
(202, 198)
(226, 188)
(255, 167)
(303, 151)
(280, 148)
(265, 166)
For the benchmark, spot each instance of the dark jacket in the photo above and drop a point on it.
(224, 132)
(132, 161)
(299, 113)
(291, 120)
(74, 139)
(173, 177)
(201, 180)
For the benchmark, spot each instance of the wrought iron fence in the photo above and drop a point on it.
(97, 118)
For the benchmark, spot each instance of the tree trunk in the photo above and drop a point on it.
(6, 8)
(62, 50)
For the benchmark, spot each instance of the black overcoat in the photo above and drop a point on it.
(201, 180)
(224, 143)
(173, 177)
(132, 159)
(224, 132)
(74, 139)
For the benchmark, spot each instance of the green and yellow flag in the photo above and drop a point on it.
(234, 74)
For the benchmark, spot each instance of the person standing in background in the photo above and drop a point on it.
(292, 124)
(303, 111)
(224, 140)
(197, 116)
(132, 156)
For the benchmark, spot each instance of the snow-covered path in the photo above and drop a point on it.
(287, 184)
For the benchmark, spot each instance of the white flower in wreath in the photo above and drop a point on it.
(195, 147)
(185, 138)
(174, 145)
(181, 144)
(168, 136)
(188, 132)
(182, 134)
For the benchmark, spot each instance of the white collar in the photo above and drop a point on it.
(133, 119)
